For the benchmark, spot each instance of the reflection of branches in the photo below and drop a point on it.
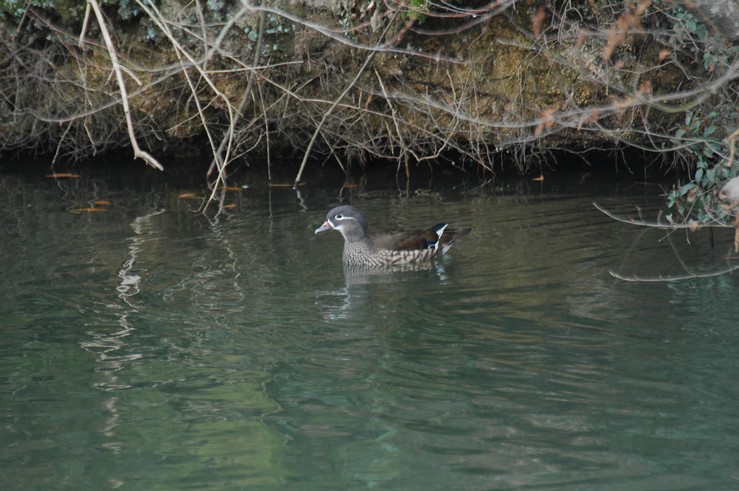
(666, 278)
(692, 226)
(690, 273)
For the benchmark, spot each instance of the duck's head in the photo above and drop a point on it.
(347, 220)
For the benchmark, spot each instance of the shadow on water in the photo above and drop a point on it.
(149, 346)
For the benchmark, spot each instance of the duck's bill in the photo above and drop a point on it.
(324, 227)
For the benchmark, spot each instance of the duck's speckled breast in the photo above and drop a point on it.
(360, 254)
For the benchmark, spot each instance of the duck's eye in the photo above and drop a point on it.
(338, 216)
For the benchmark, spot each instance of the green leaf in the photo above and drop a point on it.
(701, 32)
(684, 190)
(710, 131)
(699, 174)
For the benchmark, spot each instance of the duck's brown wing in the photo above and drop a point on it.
(404, 241)
(430, 238)
(419, 239)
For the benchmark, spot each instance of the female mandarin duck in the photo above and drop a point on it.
(398, 248)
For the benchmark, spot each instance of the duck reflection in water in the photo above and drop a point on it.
(370, 259)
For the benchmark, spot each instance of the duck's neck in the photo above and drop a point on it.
(353, 235)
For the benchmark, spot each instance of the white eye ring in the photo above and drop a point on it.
(339, 217)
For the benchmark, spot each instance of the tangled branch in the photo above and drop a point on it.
(413, 82)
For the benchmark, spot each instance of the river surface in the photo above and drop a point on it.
(150, 346)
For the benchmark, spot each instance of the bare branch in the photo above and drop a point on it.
(137, 151)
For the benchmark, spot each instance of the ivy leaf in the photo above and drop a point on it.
(684, 190)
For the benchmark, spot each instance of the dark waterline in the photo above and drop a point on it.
(148, 346)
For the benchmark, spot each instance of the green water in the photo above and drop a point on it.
(152, 347)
